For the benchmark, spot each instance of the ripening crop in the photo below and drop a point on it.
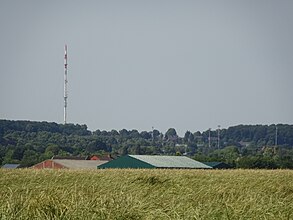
(146, 194)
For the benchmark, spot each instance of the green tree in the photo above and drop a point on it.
(9, 157)
(188, 137)
(30, 158)
(171, 133)
(228, 154)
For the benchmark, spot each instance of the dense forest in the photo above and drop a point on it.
(242, 146)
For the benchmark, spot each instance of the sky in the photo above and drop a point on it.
(134, 64)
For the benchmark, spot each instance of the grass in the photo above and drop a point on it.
(146, 194)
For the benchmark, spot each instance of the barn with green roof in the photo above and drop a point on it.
(218, 165)
(153, 162)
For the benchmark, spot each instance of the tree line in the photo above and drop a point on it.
(242, 146)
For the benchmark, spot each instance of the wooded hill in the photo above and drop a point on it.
(245, 146)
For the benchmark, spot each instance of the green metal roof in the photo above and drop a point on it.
(219, 165)
(154, 161)
(126, 162)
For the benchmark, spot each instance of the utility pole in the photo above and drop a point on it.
(276, 142)
(276, 137)
(219, 136)
(209, 137)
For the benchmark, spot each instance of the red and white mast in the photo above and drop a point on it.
(65, 84)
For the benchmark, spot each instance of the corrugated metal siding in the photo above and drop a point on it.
(170, 161)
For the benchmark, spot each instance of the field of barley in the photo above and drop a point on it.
(146, 194)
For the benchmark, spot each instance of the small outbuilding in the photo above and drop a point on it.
(218, 165)
(11, 166)
(154, 161)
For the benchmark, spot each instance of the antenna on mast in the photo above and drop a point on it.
(65, 84)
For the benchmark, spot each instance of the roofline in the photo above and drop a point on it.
(49, 160)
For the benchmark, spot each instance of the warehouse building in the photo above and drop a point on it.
(218, 165)
(154, 161)
(69, 164)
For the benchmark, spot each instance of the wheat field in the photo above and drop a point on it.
(146, 194)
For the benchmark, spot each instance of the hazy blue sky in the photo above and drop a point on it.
(135, 64)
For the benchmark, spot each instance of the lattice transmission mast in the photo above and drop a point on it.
(65, 84)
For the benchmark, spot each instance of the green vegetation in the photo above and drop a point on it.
(243, 146)
(146, 194)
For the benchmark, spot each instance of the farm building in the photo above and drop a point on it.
(154, 161)
(218, 165)
(10, 166)
(97, 157)
(69, 164)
